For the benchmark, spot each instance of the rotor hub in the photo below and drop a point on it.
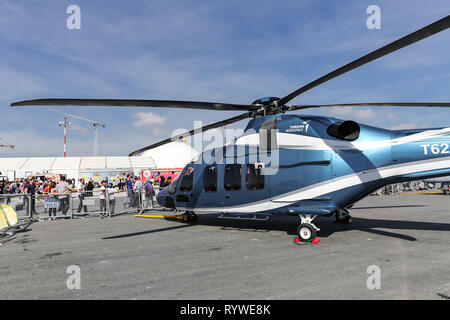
(268, 106)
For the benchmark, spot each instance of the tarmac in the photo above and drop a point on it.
(406, 238)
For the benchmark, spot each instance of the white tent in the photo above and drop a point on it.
(172, 155)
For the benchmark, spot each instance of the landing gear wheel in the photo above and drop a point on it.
(306, 232)
(342, 216)
(446, 192)
(189, 216)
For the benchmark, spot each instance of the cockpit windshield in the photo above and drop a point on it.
(173, 185)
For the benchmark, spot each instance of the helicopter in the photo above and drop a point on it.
(294, 164)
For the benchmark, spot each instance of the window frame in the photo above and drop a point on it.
(240, 177)
(183, 177)
(216, 178)
(257, 177)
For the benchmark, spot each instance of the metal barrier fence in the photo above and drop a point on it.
(19, 203)
(79, 205)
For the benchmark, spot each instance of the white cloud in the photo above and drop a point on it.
(148, 119)
(155, 124)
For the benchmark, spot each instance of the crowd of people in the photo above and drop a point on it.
(35, 185)
(28, 189)
(140, 193)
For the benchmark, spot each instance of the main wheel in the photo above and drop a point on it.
(306, 232)
(342, 216)
(190, 216)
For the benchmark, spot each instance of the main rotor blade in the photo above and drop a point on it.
(372, 104)
(418, 35)
(137, 103)
(195, 131)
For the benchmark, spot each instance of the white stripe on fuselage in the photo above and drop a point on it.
(299, 141)
(335, 184)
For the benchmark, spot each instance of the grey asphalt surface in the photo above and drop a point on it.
(407, 237)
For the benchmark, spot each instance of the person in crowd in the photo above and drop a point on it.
(165, 183)
(2, 187)
(130, 193)
(149, 193)
(102, 196)
(89, 188)
(22, 185)
(111, 197)
(162, 181)
(46, 187)
(81, 188)
(5, 190)
(53, 194)
(41, 186)
(46, 191)
(62, 189)
(8, 191)
(30, 195)
(14, 187)
(137, 188)
(2, 191)
(121, 184)
(107, 193)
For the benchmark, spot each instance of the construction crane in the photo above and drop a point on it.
(6, 145)
(95, 124)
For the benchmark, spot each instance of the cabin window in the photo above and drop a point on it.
(268, 135)
(210, 179)
(254, 176)
(188, 180)
(232, 179)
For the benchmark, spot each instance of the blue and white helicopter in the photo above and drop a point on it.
(297, 164)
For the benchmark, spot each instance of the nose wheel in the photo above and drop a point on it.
(306, 231)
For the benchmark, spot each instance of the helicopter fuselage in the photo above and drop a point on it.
(291, 164)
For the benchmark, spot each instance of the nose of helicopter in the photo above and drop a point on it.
(163, 198)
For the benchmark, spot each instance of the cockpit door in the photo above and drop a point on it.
(185, 192)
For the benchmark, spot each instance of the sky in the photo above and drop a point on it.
(223, 51)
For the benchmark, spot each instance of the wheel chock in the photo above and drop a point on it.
(299, 242)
